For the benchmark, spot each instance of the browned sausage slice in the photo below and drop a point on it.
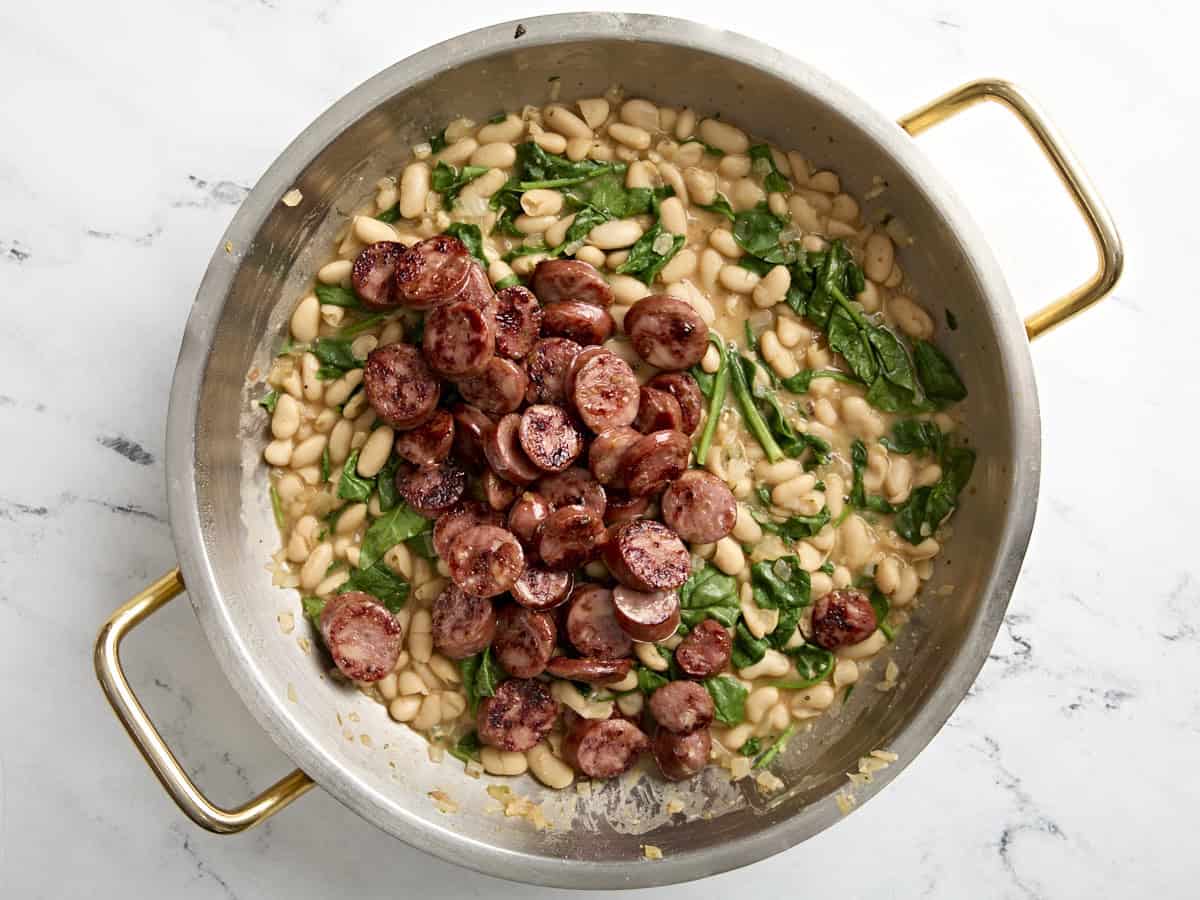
(373, 274)
(705, 650)
(525, 518)
(485, 560)
(682, 386)
(429, 442)
(477, 291)
(524, 640)
(459, 340)
(500, 494)
(502, 447)
(432, 272)
(431, 490)
(657, 411)
(699, 506)
(471, 426)
(843, 617)
(571, 536)
(622, 508)
(363, 638)
(682, 706)
(399, 385)
(606, 393)
(466, 515)
(593, 671)
(666, 332)
(647, 556)
(606, 456)
(585, 356)
(647, 617)
(574, 487)
(542, 589)
(658, 458)
(604, 748)
(571, 279)
(462, 624)
(680, 756)
(519, 715)
(547, 366)
(518, 322)
(591, 624)
(549, 437)
(499, 389)
(583, 323)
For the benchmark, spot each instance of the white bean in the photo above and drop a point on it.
(285, 421)
(681, 266)
(615, 234)
(404, 709)
(856, 542)
(594, 110)
(548, 768)
(339, 391)
(746, 194)
(723, 136)
(845, 208)
(631, 703)
(471, 198)
(650, 657)
(804, 216)
(711, 361)
(509, 130)
(773, 665)
(728, 556)
(308, 451)
(339, 441)
(429, 714)
(534, 224)
(640, 113)
(497, 155)
(721, 240)
(825, 181)
(459, 152)
(777, 357)
(746, 530)
(738, 280)
(879, 255)
(673, 216)
(759, 702)
(502, 762)
(542, 202)
(887, 575)
(701, 185)
(685, 123)
(420, 637)
(897, 485)
(870, 297)
(351, 518)
(819, 696)
(776, 473)
(548, 141)
(409, 683)
(336, 272)
(912, 319)
(906, 590)
(772, 288)
(761, 622)
(565, 122)
(592, 255)
(629, 135)
(375, 452)
(557, 233)
(314, 568)
(370, 230)
(872, 645)
(306, 320)
(498, 271)
(862, 419)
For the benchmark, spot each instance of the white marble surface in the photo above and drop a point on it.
(132, 131)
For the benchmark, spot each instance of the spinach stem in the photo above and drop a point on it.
(715, 402)
(750, 414)
(773, 750)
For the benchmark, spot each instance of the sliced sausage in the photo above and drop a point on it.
(477, 290)
(666, 332)
(549, 437)
(399, 385)
(590, 670)
(705, 650)
(542, 589)
(591, 624)
(459, 340)
(466, 515)
(485, 560)
(585, 356)
(499, 389)
(518, 321)
(843, 617)
(363, 638)
(373, 274)
(433, 489)
(606, 456)
(680, 756)
(574, 487)
(462, 624)
(682, 386)
(432, 272)
(500, 494)
(471, 426)
(623, 508)
(525, 518)
(604, 748)
(429, 442)
(647, 617)
(606, 393)
(502, 448)
(682, 706)
(571, 536)
(517, 716)
(699, 506)
(571, 279)
(547, 366)
(524, 640)
(657, 411)
(647, 556)
(583, 323)
(658, 458)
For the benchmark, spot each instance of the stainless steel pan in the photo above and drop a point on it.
(221, 517)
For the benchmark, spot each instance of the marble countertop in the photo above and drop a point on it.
(132, 132)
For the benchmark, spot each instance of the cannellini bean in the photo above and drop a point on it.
(912, 319)
(773, 665)
(454, 705)
(336, 272)
(682, 265)
(548, 141)
(723, 136)
(728, 556)
(308, 451)
(791, 333)
(351, 518)
(568, 695)
(361, 348)
(420, 636)
(835, 491)
(825, 413)
(906, 590)
(845, 672)
(701, 185)
(548, 768)
(314, 568)
(509, 130)
(689, 154)
(822, 584)
(615, 259)
(533, 224)
(578, 148)
(746, 530)
(799, 168)
(819, 696)
(721, 240)
(616, 234)
(772, 288)
(429, 714)
(887, 574)
(502, 762)
(898, 482)
(339, 441)
(497, 155)
(711, 263)
(640, 174)
(862, 419)
(804, 215)
(845, 208)
(777, 203)
(772, 474)
(649, 657)
(313, 387)
(673, 216)
(733, 738)
(399, 559)
(826, 182)
(761, 622)
(387, 687)
(879, 256)
(557, 233)
(306, 319)
(629, 135)
(627, 289)
(685, 123)
(869, 297)
(777, 357)
(631, 703)
(332, 315)
(746, 194)
(711, 361)
(856, 542)
(392, 332)
(498, 271)
(542, 202)
(472, 196)
(286, 419)
(640, 113)
(376, 451)
(927, 549)
(628, 683)
(289, 487)
(445, 669)
(929, 474)
(594, 111)
(404, 709)
(736, 279)
(457, 153)
(789, 492)
(842, 577)
(735, 166)
(339, 391)
(565, 122)
(759, 703)
(863, 649)
(877, 466)
(333, 582)
(810, 557)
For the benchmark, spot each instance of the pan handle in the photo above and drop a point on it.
(1104, 232)
(129, 710)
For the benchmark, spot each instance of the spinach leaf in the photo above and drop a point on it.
(268, 400)
(391, 528)
(927, 507)
(889, 397)
(709, 594)
(380, 582)
(780, 742)
(385, 484)
(785, 627)
(757, 232)
(759, 267)
(751, 748)
(937, 374)
(471, 236)
(651, 253)
(764, 164)
(606, 194)
(893, 361)
(741, 372)
(704, 380)
(335, 357)
(709, 149)
(914, 436)
(812, 664)
(448, 181)
(797, 528)
(747, 649)
(539, 169)
(585, 220)
(356, 328)
(277, 508)
(390, 215)
(325, 464)
(507, 203)
(336, 295)
(728, 697)
(780, 583)
(858, 462)
(353, 486)
(649, 681)
(467, 748)
(719, 386)
(852, 342)
(721, 206)
(480, 675)
(801, 381)
(510, 281)
(313, 607)
(879, 603)
(422, 545)
(437, 142)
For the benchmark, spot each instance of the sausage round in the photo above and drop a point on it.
(500, 494)
(502, 448)
(542, 589)
(571, 279)
(459, 340)
(373, 274)
(606, 392)
(623, 508)
(647, 556)
(591, 624)
(429, 442)
(657, 411)
(485, 560)
(549, 437)
(585, 355)
(547, 366)
(592, 671)
(517, 716)
(843, 617)
(682, 386)
(705, 650)
(680, 756)
(466, 515)
(646, 617)
(471, 426)
(666, 332)
(525, 518)
(682, 706)
(570, 537)
(699, 506)
(574, 487)
(432, 272)
(583, 323)
(606, 456)
(363, 638)
(498, 389)
(655, 460)
(399, 385)
(432, 489)
(462, 624)
(518, 321)
(477, 291)
(524, 640)
(604, 748)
